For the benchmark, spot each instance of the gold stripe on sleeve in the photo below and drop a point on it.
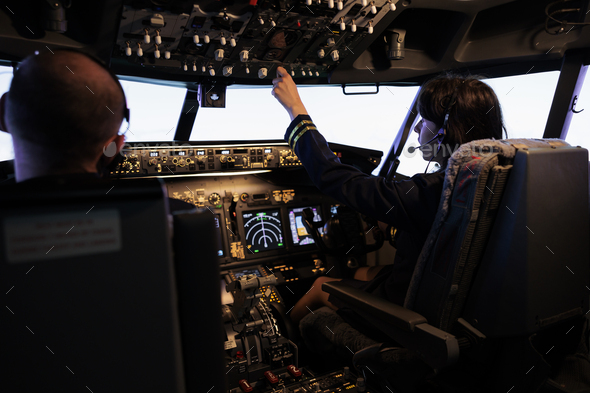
(301, 134)
(301, 123)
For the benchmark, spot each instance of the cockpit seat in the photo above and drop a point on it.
(100, 297)
(498, 297)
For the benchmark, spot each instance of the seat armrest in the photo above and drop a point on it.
(382, 309)
(435, 347)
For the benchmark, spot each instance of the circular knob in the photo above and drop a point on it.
(244, 56)
(339, 5)
(331, 41)
(158, 39)
(152, 161)
(206, 38)
(211, 71)
(167, 54)
(227, 70)
(346, 372)
(262, 73)
(157, 54)
(335, 55)
(214, 199)
(330, 3)
(360, 385)
(270, 157)
(219, 54)
(128, 51)
(244, 197)
(196, 39)
(232, 42)
(194, 67)
(222, 40)
(321, 53)
(230, 159)
(223, 159)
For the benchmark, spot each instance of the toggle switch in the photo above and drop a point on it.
(244, 56)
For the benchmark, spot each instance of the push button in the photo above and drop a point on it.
(294, 371)
(271, 377)
(245, 386)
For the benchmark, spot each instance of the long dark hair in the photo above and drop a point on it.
(476, 113)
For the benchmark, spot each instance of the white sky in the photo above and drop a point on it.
(369, 121)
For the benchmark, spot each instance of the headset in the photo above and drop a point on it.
(442, 132)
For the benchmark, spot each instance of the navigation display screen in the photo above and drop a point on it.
(263, 230)
(299, 233)
(245, 272)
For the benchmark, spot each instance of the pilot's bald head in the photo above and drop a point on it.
(64, 101)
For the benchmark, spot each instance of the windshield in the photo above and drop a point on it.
(370, 120)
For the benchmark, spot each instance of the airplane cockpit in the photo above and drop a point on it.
(178, 270)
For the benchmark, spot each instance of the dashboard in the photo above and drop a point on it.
(257, 193)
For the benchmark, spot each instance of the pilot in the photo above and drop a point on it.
(472, 111)
(67, 115)
(63, 110)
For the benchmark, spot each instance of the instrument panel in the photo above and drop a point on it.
(163, 159)
(256, 218)
(246, 40)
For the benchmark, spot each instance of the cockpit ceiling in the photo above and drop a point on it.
(318, 41)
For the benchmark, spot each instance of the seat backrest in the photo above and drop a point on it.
(476, 178)
(536, 267)
(90, 289)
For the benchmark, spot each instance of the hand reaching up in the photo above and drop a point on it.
(285, 91)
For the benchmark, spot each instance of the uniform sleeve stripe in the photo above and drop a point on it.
(296, 128)
(301, 134)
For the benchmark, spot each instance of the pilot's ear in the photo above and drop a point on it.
(3, 113)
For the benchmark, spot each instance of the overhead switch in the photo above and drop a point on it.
(244, 56)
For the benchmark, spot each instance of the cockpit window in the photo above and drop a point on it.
(6, 151)
(579, 131)
(525, 99)
(154, 110)
(252, 113)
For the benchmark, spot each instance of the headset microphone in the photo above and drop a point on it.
(412, 149)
